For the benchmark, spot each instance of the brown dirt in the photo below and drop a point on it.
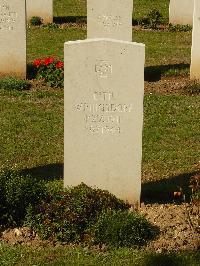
(178, 225)
(168, 85)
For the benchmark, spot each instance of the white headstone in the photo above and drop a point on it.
(104, 86)
(195, 60)
(12, 38)
(181, 12)
(40, 8)
(110, 19)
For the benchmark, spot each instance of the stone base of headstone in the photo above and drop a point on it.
(40, 8)
(104, 87)
(181, 12)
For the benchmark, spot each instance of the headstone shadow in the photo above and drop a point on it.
(154, 73)
(162, 191)
(46, 172)
(70, 19)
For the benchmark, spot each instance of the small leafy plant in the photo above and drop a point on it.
(123, 229)
(11, 83)
(179, 28)
(17, 192)
(50, 70)
(35, 21)
(67, 215)
(153, 19)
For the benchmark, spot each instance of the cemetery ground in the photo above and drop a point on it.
(31, 140)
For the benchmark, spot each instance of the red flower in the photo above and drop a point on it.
(59, 64)
(48, 61)
(37, 62)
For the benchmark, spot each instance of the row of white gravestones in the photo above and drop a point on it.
(104, 87)
(195, 59)
(181, 12)
(40, 8)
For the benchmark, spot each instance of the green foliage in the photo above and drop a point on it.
(50, 26)
(11, 83)
(35, 21)
(51, 71)
(179, 28)
(152, 20)
(192, 88)
(176, 72)
(16, 194)
(123, 229)
(66, 216)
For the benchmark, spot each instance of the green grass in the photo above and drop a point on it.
(31, 131)
(31, 128)
(141, 8)
(20, 255)
(162, 47)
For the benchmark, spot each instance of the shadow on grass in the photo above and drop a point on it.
(80, 19)
(154, 73)
(162, 191)
(70, 19)
(172, 259)
(47, 172)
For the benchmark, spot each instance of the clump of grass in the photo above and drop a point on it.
(67, 215)
(17, 192)
(153, 19)
(11, 83)
(35, 21)
(192, 88)
(123, 229)
(176, 72)
(179, 28)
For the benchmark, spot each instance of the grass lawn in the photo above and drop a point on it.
(76, 256)
(66, 8)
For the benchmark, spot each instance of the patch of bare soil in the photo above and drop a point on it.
(168, 85)
(178, 225)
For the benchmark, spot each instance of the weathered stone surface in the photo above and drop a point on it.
(195, 58)
(181, 12)
(40, 8)
(12, 38)
(104, 86)
(110, 19)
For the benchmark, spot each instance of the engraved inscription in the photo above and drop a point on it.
(7, 17)
(110, 21)
(103, 116)
(103, 68)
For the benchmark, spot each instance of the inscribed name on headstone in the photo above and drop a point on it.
(40, 8)
(195, 58)
(181, 12)
(104, 86)
(12, 38)
(109, 19)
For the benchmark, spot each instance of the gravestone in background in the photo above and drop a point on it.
(195, 58)
(181, 12)
(110, 19)
(12, 38)
(104, 86)
(40, 8)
